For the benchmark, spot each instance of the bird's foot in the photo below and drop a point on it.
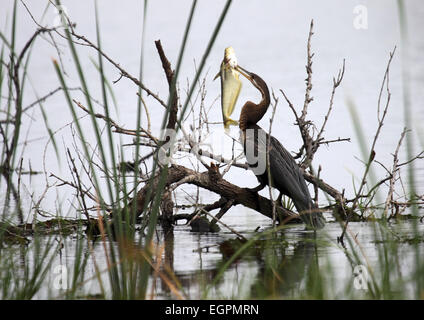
(258, 188)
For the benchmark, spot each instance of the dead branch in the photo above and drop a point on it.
(122, 71)
(274, 107)
(327, 142)
(212, 181)
(334, 193)
(336, 83)
(48, 95)
(6, 168)
(380, 125)
(310, 144)
(167, 208)
(389, 198)
(208, 207)
(171, 82)
(115, 126)
(224, 208)
(308, 98)
(372, 151)
(215, 219)
(77, 182)
(418, 156)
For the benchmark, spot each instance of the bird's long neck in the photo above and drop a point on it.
(251, 113)
(263, 105)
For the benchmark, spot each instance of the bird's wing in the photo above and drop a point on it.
(294, 183)
(283, 165)
(287, 174)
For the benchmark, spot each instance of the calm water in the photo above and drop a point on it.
(195, 258)
(269, 39)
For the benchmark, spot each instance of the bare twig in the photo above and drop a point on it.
(310, 144)
(173, 104)
(377, 134)
(80, 191)
(336, 83)
(123, 72)
(117, 128)
(393, 173)
(372, 151)
(274, 107)
(335, 140)
(225, 225)
(418, 156)
(308, 98)
(223, 210)
(45, 97)
(211, 180)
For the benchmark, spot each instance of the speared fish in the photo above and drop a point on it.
(230, 86)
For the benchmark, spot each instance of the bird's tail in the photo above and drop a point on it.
(310, 214)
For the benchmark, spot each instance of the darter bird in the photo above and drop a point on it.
(285, 174)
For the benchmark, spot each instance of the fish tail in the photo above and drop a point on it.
(229, 122)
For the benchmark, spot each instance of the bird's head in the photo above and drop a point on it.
(256, 80)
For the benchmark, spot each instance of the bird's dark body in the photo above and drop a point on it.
(286, 176)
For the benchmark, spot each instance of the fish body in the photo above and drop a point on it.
(230, 86)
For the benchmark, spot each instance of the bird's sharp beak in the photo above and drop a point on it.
(244, 72)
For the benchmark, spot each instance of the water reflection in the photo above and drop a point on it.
(277, 267)
(286, 270)
(289, 264)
